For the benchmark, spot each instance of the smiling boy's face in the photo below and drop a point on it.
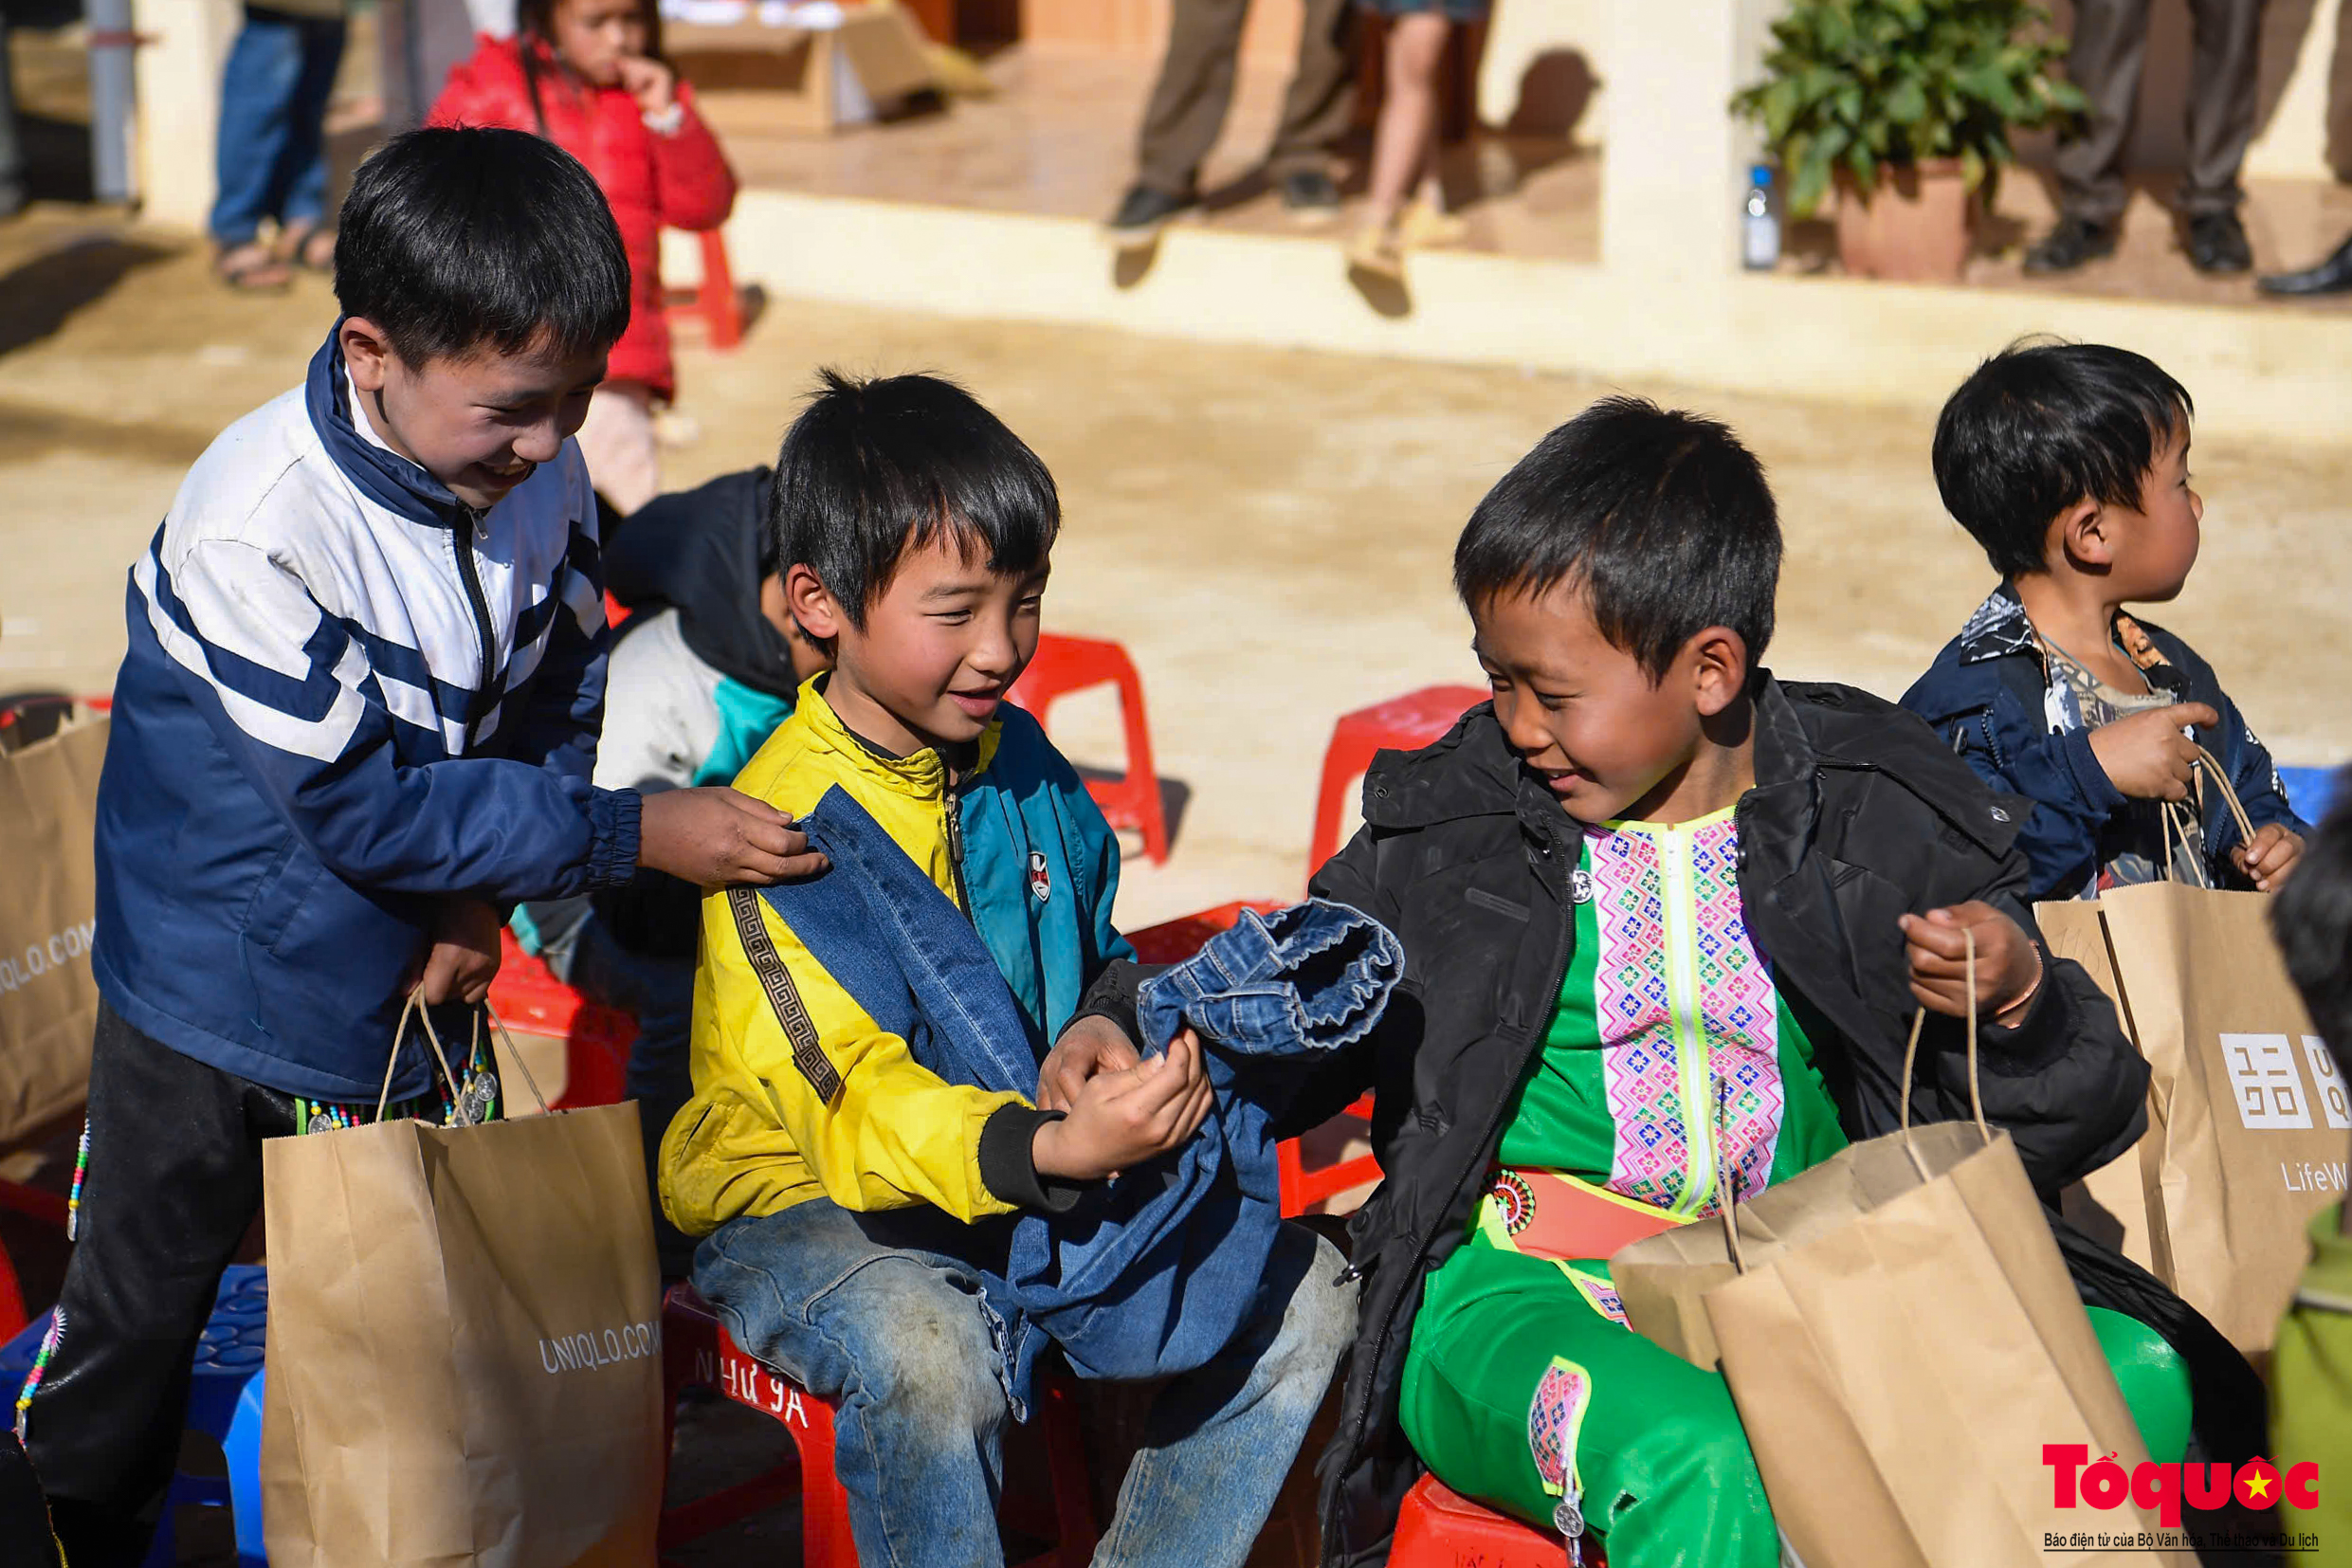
(480, 423)
(941, 644)
(1611, 744)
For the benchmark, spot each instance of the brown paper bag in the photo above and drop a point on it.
(2112, 1203)
(465, 1346)
(1902, 1337)
(48, 999)
(2248, 1116)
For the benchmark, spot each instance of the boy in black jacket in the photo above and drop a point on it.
(2070, 463)
(1667, 920)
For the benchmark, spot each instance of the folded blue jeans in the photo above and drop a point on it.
(1152, 1273)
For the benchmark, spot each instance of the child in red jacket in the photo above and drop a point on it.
(588, 75)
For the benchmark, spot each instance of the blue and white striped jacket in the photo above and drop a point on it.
(346, 696)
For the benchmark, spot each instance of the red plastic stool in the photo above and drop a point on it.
(1064, 665)
(1440, 1528)
(1401, 723)
(530, 1000)
(696, 1351)
(714, 303)
(1172, 941)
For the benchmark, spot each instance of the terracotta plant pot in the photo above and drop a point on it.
(1916, 227)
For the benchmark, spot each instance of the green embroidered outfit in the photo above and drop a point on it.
(1674, 1069)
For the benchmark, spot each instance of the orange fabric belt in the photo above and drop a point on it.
(1548, 1214)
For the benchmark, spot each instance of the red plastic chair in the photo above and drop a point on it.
(696, 1351)
(1441, 1528)
(714, 302)
(1175, 941)
(530, 1000)
(1401, 723)
(1064, 665)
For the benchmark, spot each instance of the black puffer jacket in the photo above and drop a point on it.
(1859, 815)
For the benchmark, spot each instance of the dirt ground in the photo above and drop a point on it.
(1266, 531)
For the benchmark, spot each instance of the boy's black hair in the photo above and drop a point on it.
(874, 468)
(2041, 426)
(456, 240)
(1661, 516)
(2312, 918)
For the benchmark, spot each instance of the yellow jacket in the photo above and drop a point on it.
(845, 1112)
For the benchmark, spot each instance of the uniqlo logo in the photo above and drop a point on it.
(2264, 1080)
(2327, 1082)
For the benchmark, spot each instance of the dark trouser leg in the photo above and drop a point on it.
(2224, 74)
(173, 1180)
(1322, 96)
(2110, 46)
(1196, 87)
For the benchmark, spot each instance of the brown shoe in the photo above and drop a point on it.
(252, 269)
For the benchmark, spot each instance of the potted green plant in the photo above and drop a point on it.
(1904, 108)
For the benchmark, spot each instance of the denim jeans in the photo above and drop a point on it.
(271, 154)
(882, 1315)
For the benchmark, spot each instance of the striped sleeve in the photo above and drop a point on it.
(294, 699)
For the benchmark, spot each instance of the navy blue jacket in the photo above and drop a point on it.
(1991, 695)
(346, 698)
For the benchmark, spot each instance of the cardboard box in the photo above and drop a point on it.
(809, 81)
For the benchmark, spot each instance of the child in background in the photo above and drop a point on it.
(2311, 1369)
(356, 720)
(2069, 463)
(588, 75)
(848, 1191)
(707, 664)
(1404, 144)
(1671, 918)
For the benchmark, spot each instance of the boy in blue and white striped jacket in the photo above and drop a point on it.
(356, 726)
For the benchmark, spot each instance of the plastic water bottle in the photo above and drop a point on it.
(1759, 229)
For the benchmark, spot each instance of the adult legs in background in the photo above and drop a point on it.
(301, 180)
(419, 43)
(1404, 141)
(172, 1181)
(2110, 46)
(1317, 107)
(257, 92)
(1189, 101)
(2224, 75)
(624, 460)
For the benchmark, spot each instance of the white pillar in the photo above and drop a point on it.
(1677, 162)
(178, 83)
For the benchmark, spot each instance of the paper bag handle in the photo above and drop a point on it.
(424, 1015)
(415, 1008)
(513, 1050)
(1910, 1058)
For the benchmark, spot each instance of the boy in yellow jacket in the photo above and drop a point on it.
(851, 1198)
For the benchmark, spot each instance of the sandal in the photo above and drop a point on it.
(310, 248)
(252, 269)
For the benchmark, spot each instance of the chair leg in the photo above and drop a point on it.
(1143, 773)
(722, 308)
(825, 1541)
(1065, 1466)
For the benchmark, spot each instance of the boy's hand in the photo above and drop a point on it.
(651, 83)
(2147, 756)
(1123, 1119)
(717, 836)
(1089, 1046)
(464, 959)
(2270, 857)
(2009, 968)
